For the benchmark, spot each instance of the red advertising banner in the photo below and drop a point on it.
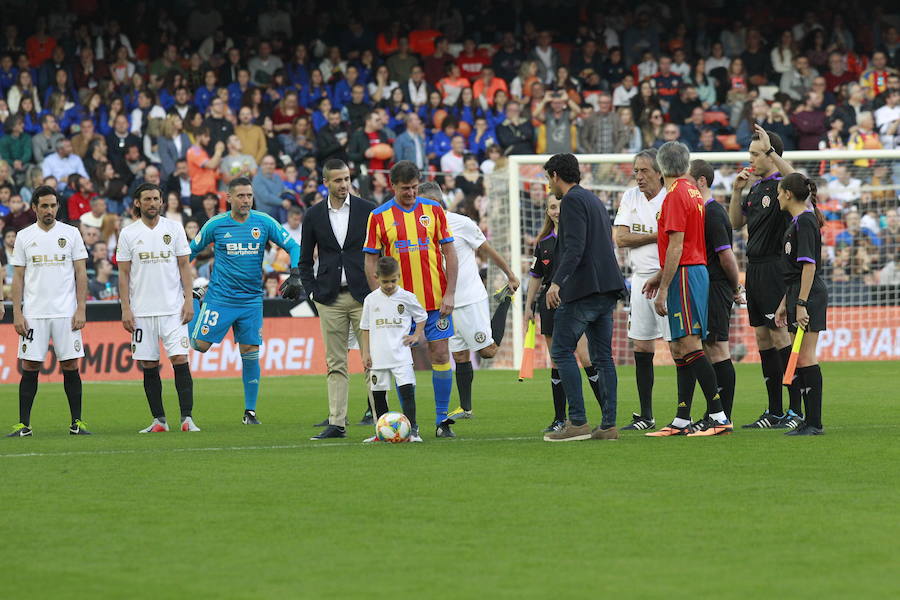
(292, 346)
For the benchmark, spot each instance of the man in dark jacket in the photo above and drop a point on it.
(332, 140)
(515, 135)
(586, 287)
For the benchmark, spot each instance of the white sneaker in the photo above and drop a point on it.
(187, 424)
(369, 440)
(156, 426)
(414, 435)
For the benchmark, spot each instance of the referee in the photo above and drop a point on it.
(766, 226)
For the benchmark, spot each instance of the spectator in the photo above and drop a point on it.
(435, 66)
(641, 37)
(865, 137)
(717, 59)
(94, 217)
(645, 100)
(332, 140)
(219, 127)
(782, 55)
(887, 118)
(79, 203)
(853, 108)
(119, 140)
(410, 145)
(449, 86)
(507, 60)
(359, 148)
(755, 112)
(63, 163)
(252, 136)
(15, 146)
(400, 63)
(834, 138)
(837, 74)
(853, 231)
(495, 160)
(809, 122)
(651, 129)
(733, 39)
(798, 80)
(648, 67)
(520, 87)
(603, 132)
(23, 88)
(46, 141)
(20, 214)
(173, 208)
(452, 162)
(416, 90)
(670, 133)
(632, 131)
(706, 89)
(209, 207)
(173, 144)
(274, 21)
(707, 141)
(624, 93)
(666, 82)
(202, 168)
(516, 134)
(103, 286)
(294, 223)
(690, 131)
(874, 79)
(263, 66)
(268, 189)
(682, 106)
(236, 163)
(470, 182)
(557, 133)
(486, 87)
(88, 73)
(180, 182)
(82, 140)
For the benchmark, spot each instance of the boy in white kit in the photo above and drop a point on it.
(387, 319)
(48, 297)
(156, 289)
(635, 228)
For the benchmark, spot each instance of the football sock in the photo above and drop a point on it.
(72, 386)
(773, 371)
(442, 381)
(686, 382)
(594, 381)
(184, 385)
(643, 363)
(725, 378)
(27, 390)
(498, 321)
(794, 397)
(153, 390)
(250, 376)
(407, 394)
(380, 401)
(464, 376)
(706, 377)
(811, 380)
(559, 396)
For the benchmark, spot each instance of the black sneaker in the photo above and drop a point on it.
(367, 419)
(765, 421)
(555, 426)
(806, 429)
(324, 423)
(443, 430)
(20, 430)
(250, 418)
(330, 432)
(639, 423)
(77, 428)
(791, 421)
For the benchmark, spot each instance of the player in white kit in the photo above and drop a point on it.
(474, 329)
(48, 297)
(635, 228)
(386, 329)
(156, 291)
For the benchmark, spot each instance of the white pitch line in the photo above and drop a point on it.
(237, 448)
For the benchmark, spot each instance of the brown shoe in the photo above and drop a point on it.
(610, 433)
(569, 433)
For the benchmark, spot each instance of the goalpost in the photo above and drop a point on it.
(857, 188)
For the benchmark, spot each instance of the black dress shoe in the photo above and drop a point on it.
(367, 418)
(322, 424)
(332, 431)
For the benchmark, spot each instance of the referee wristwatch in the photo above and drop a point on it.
(770, 150)
(802, 303)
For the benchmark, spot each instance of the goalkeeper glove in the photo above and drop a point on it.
(291, 288)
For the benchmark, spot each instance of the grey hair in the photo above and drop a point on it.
(673, 159)
(431, 190)
(649, 154)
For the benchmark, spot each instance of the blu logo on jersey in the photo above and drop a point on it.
(409, 246)
(242, 249)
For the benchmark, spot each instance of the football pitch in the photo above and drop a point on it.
(262, 512)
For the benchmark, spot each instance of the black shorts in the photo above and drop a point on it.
(546, 315)
(765, 289)
(817, 309)
(718, 319)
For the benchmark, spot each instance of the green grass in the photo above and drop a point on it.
(239, 512)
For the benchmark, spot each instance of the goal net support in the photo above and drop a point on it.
(857, 190)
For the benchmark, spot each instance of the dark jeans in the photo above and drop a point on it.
(591, 315)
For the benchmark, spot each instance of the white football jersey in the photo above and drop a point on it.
(467, 238)
(49, 269)
(155, 287)
(639, 215)
(388, 319)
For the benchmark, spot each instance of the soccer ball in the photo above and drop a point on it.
(392, 427)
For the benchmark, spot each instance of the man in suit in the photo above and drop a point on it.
(336, 230)
(585, 289)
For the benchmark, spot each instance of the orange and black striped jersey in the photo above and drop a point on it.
(413, 236)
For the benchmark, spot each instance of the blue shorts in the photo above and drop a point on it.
(213, 322)
(437, 327)
(688, 301)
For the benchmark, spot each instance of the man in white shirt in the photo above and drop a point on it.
(48, 296)
(294, 223)
(474, 330)
(63, 163)
(623, 94)
(844, 188)
(635, 228)
(887, 118)
(452, 163)
(156, 291)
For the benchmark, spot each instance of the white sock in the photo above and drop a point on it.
(719, 417)
(681, 423)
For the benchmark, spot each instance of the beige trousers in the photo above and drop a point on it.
(336, 319)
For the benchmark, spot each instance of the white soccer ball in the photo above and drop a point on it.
(393, 427)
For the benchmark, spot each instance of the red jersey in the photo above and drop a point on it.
(682, 210)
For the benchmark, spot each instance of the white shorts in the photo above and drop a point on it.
(380, 379)
(66, 343)
(471, 327)
(150, 331)
(643, 322)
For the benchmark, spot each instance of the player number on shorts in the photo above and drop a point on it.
(680, 318)
(29, 335)
(138, 336)
(211, 317)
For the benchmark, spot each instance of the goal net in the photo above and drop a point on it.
(857, 190)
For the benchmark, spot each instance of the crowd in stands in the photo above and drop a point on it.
(190, 96)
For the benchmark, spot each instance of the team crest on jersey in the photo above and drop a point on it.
(184, 342)
(659, 212)
(766, 201)
(204, 330)
(400, 308)
(787, 247)
(443, 324)
(61, 242)
(374, 378)
(255, 232)
(167, 239)
(133, 348)
(424, 220)
(480, 337)
(77, 345)
(24, 348)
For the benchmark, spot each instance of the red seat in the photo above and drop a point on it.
(715, 116)
(729, 142)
